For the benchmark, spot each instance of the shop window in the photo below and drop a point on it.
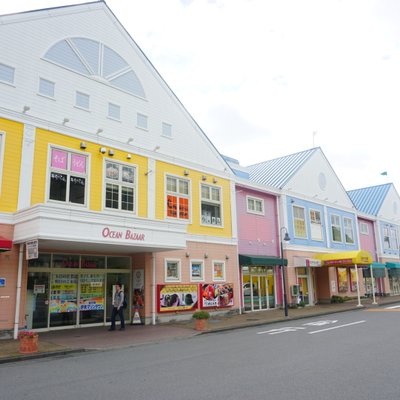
(196, 270)
(120, 186)
(177, 198)
(172, 270)
(299, 222)
(218, 271)
(336, 228)
(93, 262)
(46, 88)
(255, 205)
(118, 262)
(211, 205)
(348, 230)
(353, 279)
(7, 74)
(394, 243)
(316, 225)
(68, 177)
(343, 282)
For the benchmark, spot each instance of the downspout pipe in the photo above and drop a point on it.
(18, 295)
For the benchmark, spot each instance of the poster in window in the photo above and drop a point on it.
(183, 208)
(59, 159)
(172, 206)
(179, 297)
(216, 295)
(353, 279)
(343, 285)
(78, 163)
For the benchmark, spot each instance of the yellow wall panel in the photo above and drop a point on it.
(11, 164)
(45, 138)
(195, 177)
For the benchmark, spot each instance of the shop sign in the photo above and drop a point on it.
(39, 289)
(312, 262)
(216, 295)
(2, 282)
(32, 249)
(179, 297)
(126, 234)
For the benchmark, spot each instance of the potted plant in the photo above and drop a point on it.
(28, 342)
(201, 317)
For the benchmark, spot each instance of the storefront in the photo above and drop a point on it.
(258, 277)
(394, 277)
(303, 291)
(348, 275)
(378, 274)
(73, 290)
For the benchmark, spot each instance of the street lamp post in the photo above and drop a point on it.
(286, 238)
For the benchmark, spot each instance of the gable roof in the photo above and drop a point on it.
(277, 172)
(369, 200)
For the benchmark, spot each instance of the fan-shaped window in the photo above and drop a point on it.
(94, 59)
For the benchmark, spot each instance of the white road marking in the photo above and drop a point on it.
(391, 308)
(336, 327)
(321, 323)
(281, 330)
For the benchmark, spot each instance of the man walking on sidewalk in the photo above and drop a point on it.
(118, 301)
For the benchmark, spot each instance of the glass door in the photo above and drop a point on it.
(63, 299)
(91, 300)
(37, 300)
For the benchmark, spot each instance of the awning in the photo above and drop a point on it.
(393, 269)
(378, 270)
(261, 260)
(345, 258)
(5, 244)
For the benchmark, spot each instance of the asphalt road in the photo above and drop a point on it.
(351, 355)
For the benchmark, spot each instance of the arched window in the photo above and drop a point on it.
(95, 60)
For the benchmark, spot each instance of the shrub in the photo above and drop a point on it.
(201, 314)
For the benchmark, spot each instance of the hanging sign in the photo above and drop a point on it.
(32, 249)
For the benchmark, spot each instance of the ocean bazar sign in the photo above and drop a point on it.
(126, 234)
(216, 295)
(180, 297)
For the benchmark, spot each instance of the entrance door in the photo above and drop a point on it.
(92, 300)
(303, 290)
(112, 279)
(37, 300)
(259, 291)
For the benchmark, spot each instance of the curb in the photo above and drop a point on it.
(35, 356)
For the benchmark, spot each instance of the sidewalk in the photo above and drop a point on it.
(98, 338)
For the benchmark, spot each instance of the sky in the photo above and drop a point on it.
(268, 78)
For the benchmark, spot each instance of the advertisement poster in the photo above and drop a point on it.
(63, 294)
(92, 292)
(216, 295)
(177, 297)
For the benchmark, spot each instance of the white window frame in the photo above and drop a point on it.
(251, 204)
(2, 146)
(394, 242)
(315, 224)
(298, 220)
(110, 111)
(53, 85)
(179, 195)
(364, 230)
(204, 220)
(178, 278)
(335, 223)
(223, 278)
(12, 83)
(348, 230)
(197, 278)
(386, 238)
(120, 183)
(166, 130)
(67, 172)
(79, 94)
(144, 117)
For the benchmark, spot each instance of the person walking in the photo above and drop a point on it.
(118, 309)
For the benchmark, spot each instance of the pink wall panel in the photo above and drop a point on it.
(257, 233)
(367, 242)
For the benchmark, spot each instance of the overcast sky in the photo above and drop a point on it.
(268, 78)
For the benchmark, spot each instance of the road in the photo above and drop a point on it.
(351, 355)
